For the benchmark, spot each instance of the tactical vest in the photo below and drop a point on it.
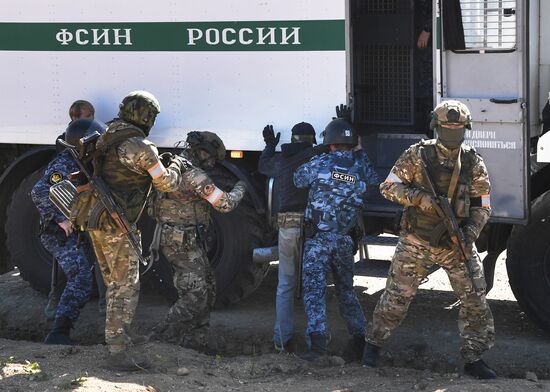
(182, 207)
(337, 196)
(426, 224)
(129, 189)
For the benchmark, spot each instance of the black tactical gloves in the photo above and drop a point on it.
(166, 158)
(269, 136)
(343, 112)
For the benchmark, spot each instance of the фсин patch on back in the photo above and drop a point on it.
(343, 177)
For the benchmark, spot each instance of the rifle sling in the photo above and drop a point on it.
(454, 178)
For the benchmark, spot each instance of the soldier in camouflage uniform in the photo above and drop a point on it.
(59, 239)
(131, 167)
(182, 218)
(459, 174)
(338, 182)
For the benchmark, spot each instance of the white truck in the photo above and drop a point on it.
(233, 66)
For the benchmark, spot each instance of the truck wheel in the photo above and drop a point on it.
(528, 262)
(22, 236)
(231, 240)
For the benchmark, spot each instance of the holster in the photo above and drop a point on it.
(50, 227)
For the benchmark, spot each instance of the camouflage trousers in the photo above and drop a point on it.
(77, 270)
(324, 253)
(120, 268)
(193, 279)
(411, 263)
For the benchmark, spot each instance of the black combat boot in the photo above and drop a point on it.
(318, 347)
(479, 369)
(60, 332)
(371, 353)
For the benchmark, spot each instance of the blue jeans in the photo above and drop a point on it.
(289, 258)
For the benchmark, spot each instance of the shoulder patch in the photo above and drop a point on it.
(55, 177)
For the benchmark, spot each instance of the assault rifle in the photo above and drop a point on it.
(103, 194)
(445, 211)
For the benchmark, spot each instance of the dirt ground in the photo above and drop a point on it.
(423, 354)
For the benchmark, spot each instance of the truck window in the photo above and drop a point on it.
(487, 25)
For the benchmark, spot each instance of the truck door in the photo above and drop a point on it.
(482, 49)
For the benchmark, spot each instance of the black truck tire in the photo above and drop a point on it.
(528, 262)
(22, 236)
(231, 239)
(237, 275)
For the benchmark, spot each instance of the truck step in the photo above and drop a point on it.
(375, 268)
(380, 240)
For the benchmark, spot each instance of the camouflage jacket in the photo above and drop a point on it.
(406, 183)
(338, 182)
(140, 156)
(190, 203)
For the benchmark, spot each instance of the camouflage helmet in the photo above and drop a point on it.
(451, 112)
(339, 131)
(208, 141)
(139, 108)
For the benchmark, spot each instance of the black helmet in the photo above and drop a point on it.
(339, 131)
(81, 128)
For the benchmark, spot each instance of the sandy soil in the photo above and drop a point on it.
(423, 354)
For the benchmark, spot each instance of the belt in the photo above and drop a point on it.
(290, 219)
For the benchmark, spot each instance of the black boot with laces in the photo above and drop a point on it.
(479, 369)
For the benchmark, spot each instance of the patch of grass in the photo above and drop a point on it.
(36, 373)
(33, 366)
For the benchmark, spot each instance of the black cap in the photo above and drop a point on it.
(303, 128)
